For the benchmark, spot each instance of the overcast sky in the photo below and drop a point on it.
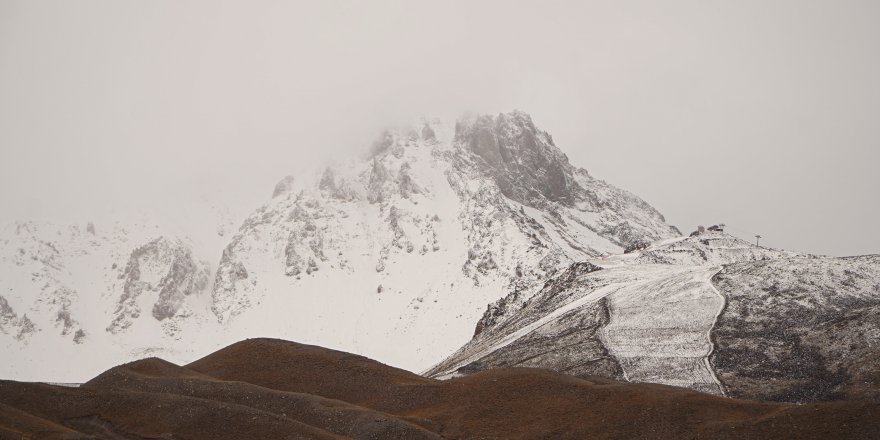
(761, 114)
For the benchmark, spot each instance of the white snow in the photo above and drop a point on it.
(659, 329)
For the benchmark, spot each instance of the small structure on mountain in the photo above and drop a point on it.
(702, 230)
(716, 228)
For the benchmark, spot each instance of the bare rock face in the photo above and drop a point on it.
(380, 185)
(26, 327)
(570, 344)
(164, 270)
(523, 160)
(505, 307)
(232, 275)
(406, 182)
(334, 187)
(428, 133)
(7, 315)
(293, 263)
(284, 186)
(21, 328)
(528, 168)
(63, 299)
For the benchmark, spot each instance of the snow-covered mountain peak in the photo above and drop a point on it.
(490, 206)
(393, 254)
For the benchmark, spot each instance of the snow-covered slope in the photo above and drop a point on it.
(393, 255)
(75, 298)
(800, 329)
(710, 312)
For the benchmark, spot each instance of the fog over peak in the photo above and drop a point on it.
(761, 115)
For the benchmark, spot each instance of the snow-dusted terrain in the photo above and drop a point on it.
(709, 312)
(800, 329)
(75, 298)
(396, 254)
(393, 255)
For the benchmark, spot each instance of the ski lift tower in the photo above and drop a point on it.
(757, 240)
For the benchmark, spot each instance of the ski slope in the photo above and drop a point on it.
(660, 318)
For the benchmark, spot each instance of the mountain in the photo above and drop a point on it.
(393, 255)
(265, 388)
(76, 298)
(709, 312)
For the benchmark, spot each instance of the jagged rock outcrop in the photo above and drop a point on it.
(11, 324)
(165, 271)
(284, 186)
(7, 315)
(521, 159)
(428, 133)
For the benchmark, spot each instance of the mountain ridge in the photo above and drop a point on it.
(709, 312)
(329, 259)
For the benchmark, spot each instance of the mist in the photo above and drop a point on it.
(761, 115)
